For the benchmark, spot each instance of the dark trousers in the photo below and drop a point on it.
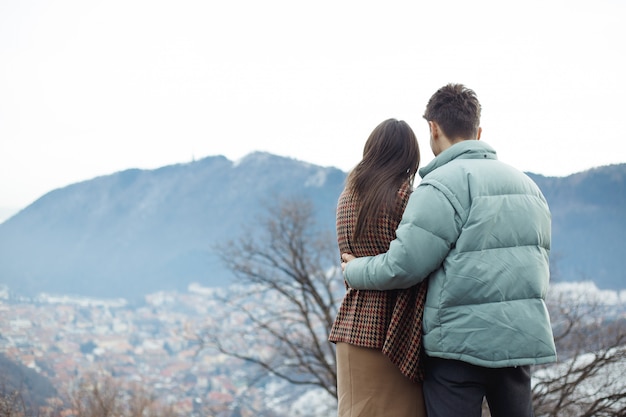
(454, 388)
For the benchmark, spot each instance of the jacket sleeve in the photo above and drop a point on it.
(429, 227)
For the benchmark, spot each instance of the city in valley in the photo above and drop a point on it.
(155, 345)
(159, 344)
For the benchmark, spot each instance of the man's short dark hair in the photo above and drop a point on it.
(456, 109)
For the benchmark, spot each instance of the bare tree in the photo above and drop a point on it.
(96, 397)
(103, 396)
(281, 311)
(14, 401)
(11, 404)
(589, 378)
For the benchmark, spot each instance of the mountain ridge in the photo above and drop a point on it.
(138, 231)
(166, 217)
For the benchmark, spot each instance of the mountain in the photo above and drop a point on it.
(588, 225)
(141, 231)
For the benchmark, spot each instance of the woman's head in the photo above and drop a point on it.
(392, 147)
(391, 158)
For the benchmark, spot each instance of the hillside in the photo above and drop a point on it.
(34, 387)
(140, 231)
(588, 225)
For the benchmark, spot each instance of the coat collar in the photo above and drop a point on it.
(467, 149)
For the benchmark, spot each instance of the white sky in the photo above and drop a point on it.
(88, 88)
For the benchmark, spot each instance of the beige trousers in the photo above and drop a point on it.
(369, 385)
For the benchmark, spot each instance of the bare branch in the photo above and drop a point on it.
(588, 380)
(288, 292)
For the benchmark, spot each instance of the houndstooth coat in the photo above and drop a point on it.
(387, 320)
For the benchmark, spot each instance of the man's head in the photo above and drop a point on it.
(454, 112)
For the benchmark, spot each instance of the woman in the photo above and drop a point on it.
(378, 333)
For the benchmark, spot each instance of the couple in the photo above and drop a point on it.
(452, 309)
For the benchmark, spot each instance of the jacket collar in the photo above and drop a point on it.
(467, 149)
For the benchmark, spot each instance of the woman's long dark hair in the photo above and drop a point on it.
(391, 157)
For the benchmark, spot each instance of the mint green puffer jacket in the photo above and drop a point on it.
(479, 231)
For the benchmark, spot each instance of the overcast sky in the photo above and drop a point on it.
(88, 88)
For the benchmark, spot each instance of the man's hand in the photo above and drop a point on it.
(346, 257)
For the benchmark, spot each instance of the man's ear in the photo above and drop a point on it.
(480, 130)
(434, 129)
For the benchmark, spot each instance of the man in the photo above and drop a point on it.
(479, 231)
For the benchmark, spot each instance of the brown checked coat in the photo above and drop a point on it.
(387, 320)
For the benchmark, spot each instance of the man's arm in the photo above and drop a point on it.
(429, 227)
